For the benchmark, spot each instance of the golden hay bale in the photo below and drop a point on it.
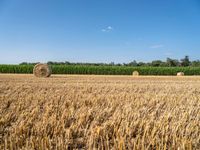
(136, 73)
(180, 74)
(42, 70)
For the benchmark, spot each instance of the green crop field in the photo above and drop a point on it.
(103, 70)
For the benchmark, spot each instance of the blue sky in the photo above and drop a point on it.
(98, 30)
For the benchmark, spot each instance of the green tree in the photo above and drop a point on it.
(195, 63)
(156, 63)
(141, 64)
(172, 62)
(133, 63)
(185, 61)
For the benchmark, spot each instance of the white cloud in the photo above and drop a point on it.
(168, 54)
(157, 46)
(107, 29)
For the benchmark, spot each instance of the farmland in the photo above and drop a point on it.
(107, 112)
(102, 70)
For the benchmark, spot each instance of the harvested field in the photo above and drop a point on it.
(107, 112)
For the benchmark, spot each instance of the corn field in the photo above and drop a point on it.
(99, 112)
(102, 70)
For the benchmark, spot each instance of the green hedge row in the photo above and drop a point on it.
(103, 70)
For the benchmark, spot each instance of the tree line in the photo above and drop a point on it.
(184, 62)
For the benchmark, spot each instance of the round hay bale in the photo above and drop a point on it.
(180, 74)
(136, 73)
(42, 70)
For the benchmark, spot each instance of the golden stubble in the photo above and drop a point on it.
(99, 112)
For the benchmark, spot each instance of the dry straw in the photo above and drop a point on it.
(42, 70)
(180, 74)
(98, 112)
(136, 73)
